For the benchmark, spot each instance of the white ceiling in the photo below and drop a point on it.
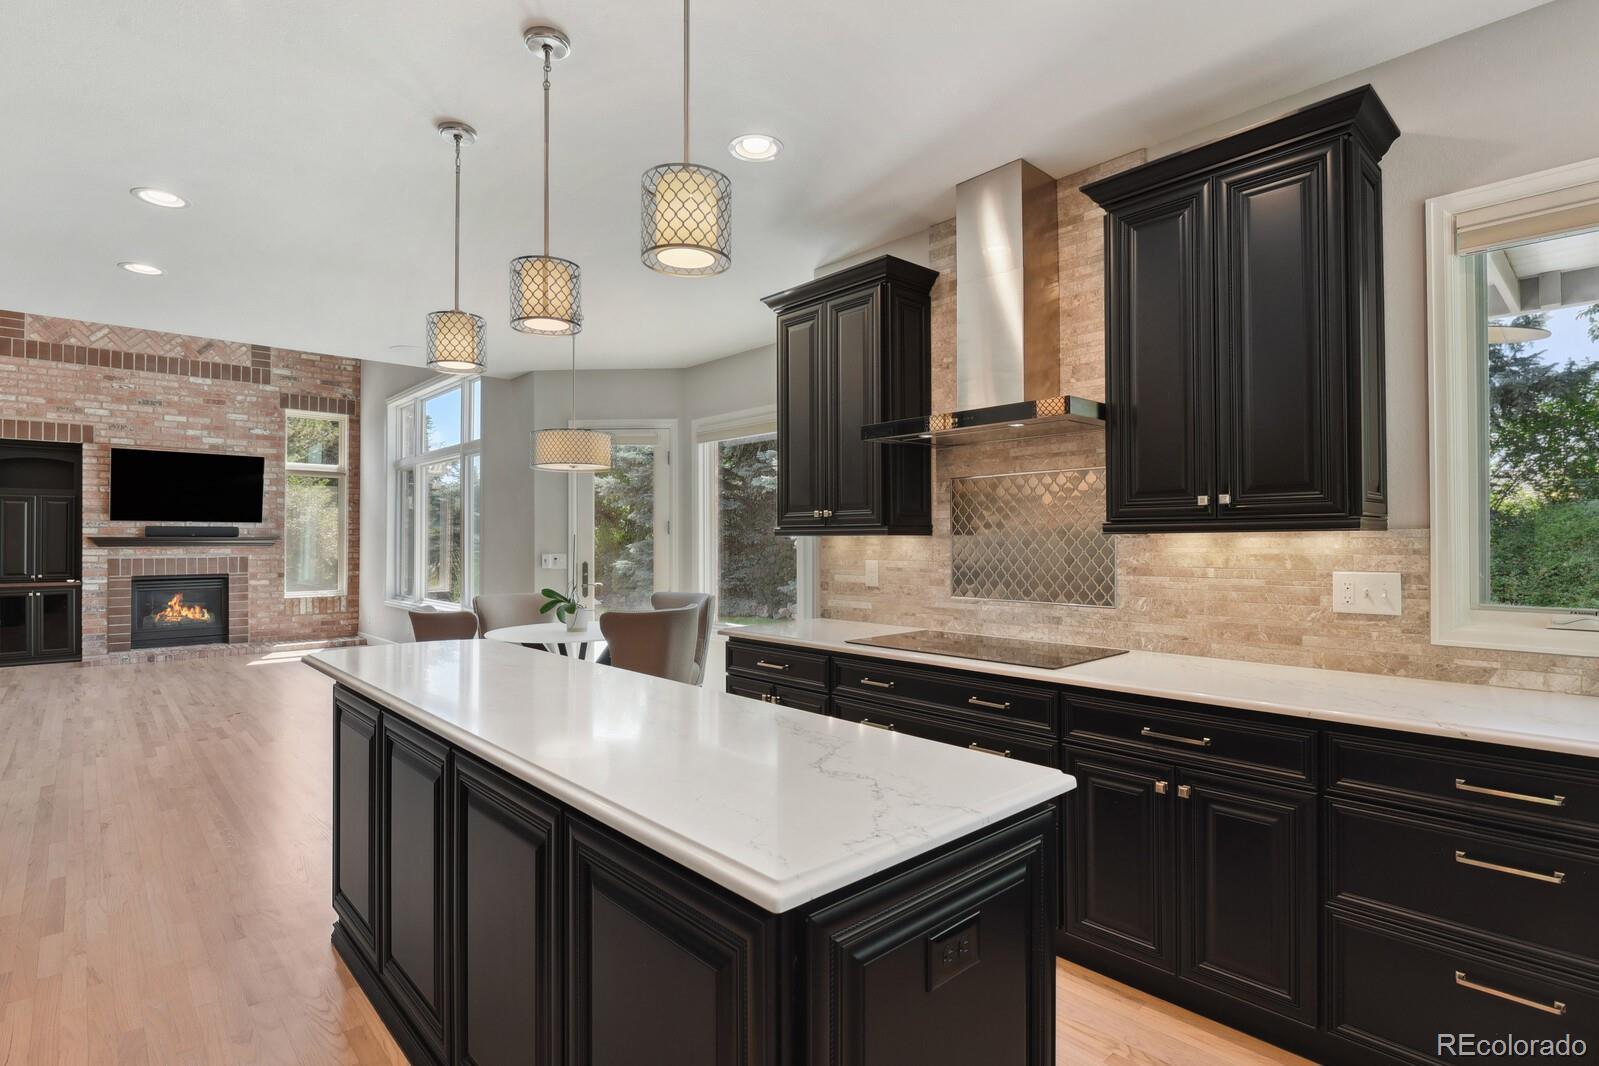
(302, 131)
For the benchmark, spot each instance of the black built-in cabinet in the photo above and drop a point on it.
(490, 924)
(853, 348)
(40, 553)
(1244, 328)
(1348, 893)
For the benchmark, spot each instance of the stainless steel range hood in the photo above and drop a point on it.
(1007, 319)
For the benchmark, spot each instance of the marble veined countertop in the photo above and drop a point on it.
(1546, 721)
(778, 805)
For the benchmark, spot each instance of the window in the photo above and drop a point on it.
(316, 467)
(435, 462)
(756, 575)
(622, 517)
(1513, 339)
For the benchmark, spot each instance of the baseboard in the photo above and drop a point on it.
(373, 638)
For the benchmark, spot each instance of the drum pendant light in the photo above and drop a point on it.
(456, 338)
(687, 223)
(546, 291)
(572, 451)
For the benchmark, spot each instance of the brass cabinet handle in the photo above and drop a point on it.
(771, 666)
(877, 684)
(1556, 877)
(878, 725)
(990, 704)
(776, 699)
(1185, 792)
(1542, 801)
(827, 514)
(1225, 499)
(1154, 734)
(974, 746)
(1463, 981)
(1161, 787)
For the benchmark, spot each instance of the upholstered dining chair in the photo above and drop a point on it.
(500, 609)
(443, 625)
(653, 642)
(706, 603)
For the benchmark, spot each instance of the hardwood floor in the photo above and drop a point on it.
(164, 856)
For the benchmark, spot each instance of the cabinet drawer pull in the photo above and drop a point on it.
(770, 666)
(1556, 1007)
(876, 684)
(1201, 501)
(1185, 792)
(974, 746)
(1556, 877)
(990, 704)
(878, 725)
(1154, 734)
(1161, 787)
(1542, 801)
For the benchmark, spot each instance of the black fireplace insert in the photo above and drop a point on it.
(179, 610)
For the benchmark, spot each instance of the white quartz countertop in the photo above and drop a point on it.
(778, 805)
(1543, 720)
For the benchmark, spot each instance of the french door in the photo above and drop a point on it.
(622, 520)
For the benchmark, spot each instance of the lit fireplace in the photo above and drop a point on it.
(179, 610)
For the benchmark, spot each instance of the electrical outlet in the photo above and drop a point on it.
(869, 577)
(553, 560)
(1366, 593)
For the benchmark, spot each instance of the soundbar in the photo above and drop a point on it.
(191, 531)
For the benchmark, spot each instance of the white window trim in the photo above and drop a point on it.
(1457, 427)
(471, 579)
(340, 470)
(711, 430)
(663, 433)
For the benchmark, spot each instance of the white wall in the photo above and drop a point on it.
(1511, 98)
(525, 510)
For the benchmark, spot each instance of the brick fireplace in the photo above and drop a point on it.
(122, 573)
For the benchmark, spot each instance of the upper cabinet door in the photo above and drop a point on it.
(1159, 418)
(801, 433)
(16, 538)
(56, 544)
(855, 468)
(1281, 358)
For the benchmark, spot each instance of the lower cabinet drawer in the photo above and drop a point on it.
(778, 664)
(1167, 732)
(926, 726)
(1501, 885)
(1418, 999)
(1013, 705)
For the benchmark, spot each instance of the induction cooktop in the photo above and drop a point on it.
(1037, 653)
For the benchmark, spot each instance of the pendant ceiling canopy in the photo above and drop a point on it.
(546, 291)
(687, 217)
(457, 339)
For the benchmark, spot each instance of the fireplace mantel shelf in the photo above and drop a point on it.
(168, 542)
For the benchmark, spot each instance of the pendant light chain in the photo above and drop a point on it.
(685, 81)
(546, 149)
(457, 221)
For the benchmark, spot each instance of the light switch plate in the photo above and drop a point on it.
(1356, 592)
(553, 560)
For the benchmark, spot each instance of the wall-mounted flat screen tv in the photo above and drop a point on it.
(152, 486)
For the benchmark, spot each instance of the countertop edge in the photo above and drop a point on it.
(763, 891)
(1441, 727)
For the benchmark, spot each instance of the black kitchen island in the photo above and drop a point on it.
(543, 860)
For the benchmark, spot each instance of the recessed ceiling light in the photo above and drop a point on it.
(755, 147)
(147, 269)
(159, 197)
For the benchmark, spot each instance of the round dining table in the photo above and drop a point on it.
(550, 636)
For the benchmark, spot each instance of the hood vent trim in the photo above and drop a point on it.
(1022, 420)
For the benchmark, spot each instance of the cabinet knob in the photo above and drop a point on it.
(1161, 787)
(1201, 501)
(827, 514)
(1224, 499)
(1185, 791)
(816, 514)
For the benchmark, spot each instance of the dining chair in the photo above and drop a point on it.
(443, 625)
(706, 603)
(653, 642)
(500, 609)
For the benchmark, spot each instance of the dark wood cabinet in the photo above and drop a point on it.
(355, 807)
(413, 891)
(505, 929)
(1118, 863)
(1244, 328)
(1248, 893)
(853, 348)
(40, 553)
